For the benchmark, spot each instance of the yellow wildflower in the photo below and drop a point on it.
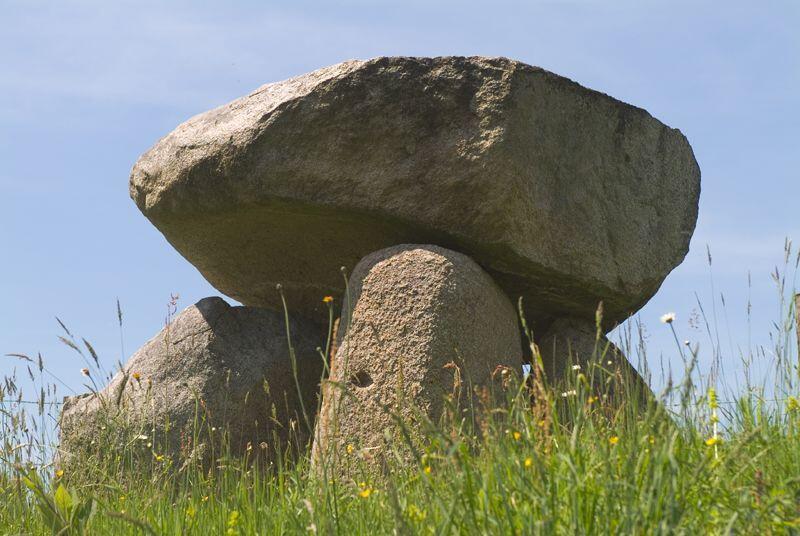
(528, 462)
(365, 493)
(415, 513)
(613, 440)
(711, 441)
(327, 299)
(427, 469)
(233, 522)
(712, 398)
(59, 473)
(350, 449)
(517, 436)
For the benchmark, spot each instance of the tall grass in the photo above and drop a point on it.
(696, 462)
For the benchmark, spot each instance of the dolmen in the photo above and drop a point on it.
(427, 198)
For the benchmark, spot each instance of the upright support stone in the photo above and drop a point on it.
(571, 347)
(425, 324)
(217, 377)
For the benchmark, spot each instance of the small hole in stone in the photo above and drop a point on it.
(361, 379)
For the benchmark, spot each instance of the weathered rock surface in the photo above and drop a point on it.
(417, 312)
(564, 195)
(570, 342)
(214, 370)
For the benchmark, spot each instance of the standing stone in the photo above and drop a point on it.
(425, 323)
(577, 343)
(216, 374)
(564, 195)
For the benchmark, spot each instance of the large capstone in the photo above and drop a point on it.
(217, 380)
(422, 325)
(566, 196)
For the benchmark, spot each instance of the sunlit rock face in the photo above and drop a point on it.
(564, 195)
(422, 324)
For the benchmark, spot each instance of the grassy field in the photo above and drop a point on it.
(568, 463)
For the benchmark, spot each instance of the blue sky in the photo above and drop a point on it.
(86, 87)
